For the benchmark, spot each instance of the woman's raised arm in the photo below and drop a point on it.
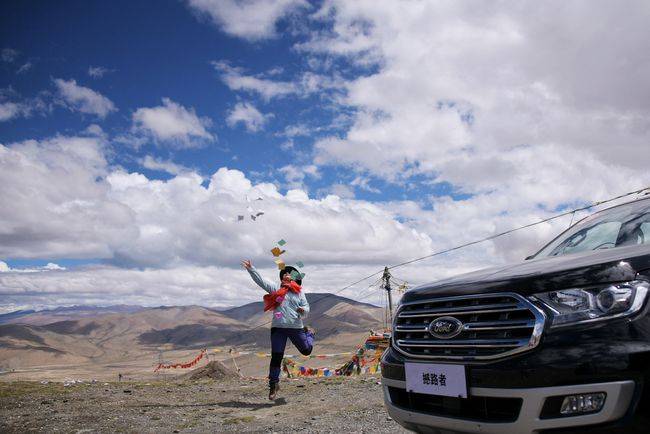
(263, 283)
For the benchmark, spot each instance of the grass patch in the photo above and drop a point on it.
(16, 389)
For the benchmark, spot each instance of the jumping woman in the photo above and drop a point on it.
(290, 306)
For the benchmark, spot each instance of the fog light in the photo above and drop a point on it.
(584, 403)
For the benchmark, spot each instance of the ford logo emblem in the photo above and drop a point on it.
(445, 327)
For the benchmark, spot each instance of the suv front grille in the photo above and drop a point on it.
(493, 326)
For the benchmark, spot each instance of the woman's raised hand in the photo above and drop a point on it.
(247, 264)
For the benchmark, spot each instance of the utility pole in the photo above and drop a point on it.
(386, 279)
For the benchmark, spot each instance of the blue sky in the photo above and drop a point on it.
(169, 52)
(132, 132)
(165, 52)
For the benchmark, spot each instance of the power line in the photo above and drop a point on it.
(500, 234)
(442, 252)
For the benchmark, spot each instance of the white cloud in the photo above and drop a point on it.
(185, 285)
(248, 115)
(83, 99)
(295, 174)
(154, 163)
(69, 203)
(50, 266)
(363, 183)
(97, 71)
(514, 76)
(9, 55)
(250, 19)
(24, 68)
(173, 124)
(9, 110)
(235, 79)
(12, 105)
(510, 110)
(182, 234)
(297, 130)
(61, 204)
(521, 111)
(342, 190)
(307, 83)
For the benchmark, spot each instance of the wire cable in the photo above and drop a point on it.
(509, 231)
(451, 249)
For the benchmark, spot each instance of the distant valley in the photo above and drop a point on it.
(104, 335)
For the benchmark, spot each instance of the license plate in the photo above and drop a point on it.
(436, 379)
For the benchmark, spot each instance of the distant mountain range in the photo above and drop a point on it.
(110, 334)
(55, 314)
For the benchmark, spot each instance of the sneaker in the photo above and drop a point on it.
(273, 391)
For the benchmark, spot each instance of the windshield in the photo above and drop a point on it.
(623, 225)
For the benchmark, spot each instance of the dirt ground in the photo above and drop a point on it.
(335, 404)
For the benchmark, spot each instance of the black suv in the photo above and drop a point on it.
(559, 342)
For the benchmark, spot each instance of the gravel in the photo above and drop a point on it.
(327, 405)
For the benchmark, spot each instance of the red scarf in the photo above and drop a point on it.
(275, 298)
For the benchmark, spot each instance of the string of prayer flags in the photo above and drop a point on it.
(281, 243)
(364, 360)
(277, 251)
(299, 264)
(311, 356)
(280, 263)
(181, 365)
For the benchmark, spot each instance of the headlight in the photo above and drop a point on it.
(580, 305)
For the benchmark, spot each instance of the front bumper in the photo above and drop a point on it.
(619, 398)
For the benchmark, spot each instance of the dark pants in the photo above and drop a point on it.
(302, 340)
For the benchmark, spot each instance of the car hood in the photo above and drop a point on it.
(544, 274)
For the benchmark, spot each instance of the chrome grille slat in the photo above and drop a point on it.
(464, 343)
(485, 325)
(493, 326)
(459, 309)
(411, 329)
(499, 325)
(469, 312)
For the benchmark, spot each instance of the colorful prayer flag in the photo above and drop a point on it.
(277, 251)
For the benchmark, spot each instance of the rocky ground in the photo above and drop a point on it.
(338, 404)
